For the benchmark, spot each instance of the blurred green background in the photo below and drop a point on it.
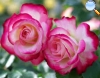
(56, 9)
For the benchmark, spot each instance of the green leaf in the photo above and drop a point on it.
(15, 74)
(28, 74)
(18, 64)
(3, 73)
(43, 67)
(72, 74)
(21, 73)
(3, 56)
(98, 53)
(61, 76)
(50, 75)
(92, 71)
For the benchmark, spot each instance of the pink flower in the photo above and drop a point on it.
(25, 33)
(93, 23)
(69, 47)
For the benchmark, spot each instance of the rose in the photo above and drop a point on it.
(25, 33)
(69, 47)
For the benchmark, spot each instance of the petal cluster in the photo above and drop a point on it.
(70, 47)
(25, 33)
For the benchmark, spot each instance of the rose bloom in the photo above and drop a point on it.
(69, 47)
(25, 34)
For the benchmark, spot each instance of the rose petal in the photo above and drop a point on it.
(68, 46)
(56, 31)
(18, 17)
(38, 60)
(81, 48)
(4, 39)
(22, 56)
(46, 26)
(67, 23)
(6, 23)
(50, 60)
(13, 36)
(72, 41)
(34, 10)
(86, 59)
(6, 44)
(29, 49)
(89, 37)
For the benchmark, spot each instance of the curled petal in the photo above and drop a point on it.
(46, 26)
(56, 31)
(18, 17)
(29, 48)
(67, 23)
(81, 48)
(6, 23)
(13, 36)
(86, 59)
(36, 11)
(24, 57)
(89, 37)
(6, 44)
(68, 38)
(50, 60)
(38, 60)
(4, 39)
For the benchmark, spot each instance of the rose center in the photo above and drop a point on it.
(29, 34)
(25, 33)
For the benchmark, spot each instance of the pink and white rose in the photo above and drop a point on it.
(25, 33)
(70, 47)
